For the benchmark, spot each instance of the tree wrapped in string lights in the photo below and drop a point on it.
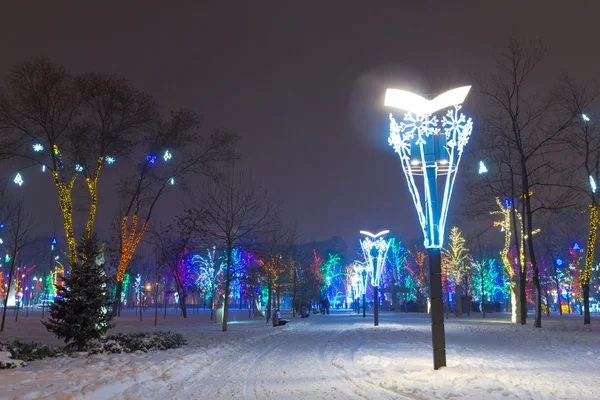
(375, 249)
(430, 148)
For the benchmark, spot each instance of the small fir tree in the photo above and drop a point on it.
(80, 311)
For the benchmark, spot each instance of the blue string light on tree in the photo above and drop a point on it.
(507, 203)
(151, 159)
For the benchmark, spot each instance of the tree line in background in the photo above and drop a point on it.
(540, 143)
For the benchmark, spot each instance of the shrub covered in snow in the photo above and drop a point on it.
(29, 351)
(145, 342)
(13, 354)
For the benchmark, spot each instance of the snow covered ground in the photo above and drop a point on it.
(337, 356)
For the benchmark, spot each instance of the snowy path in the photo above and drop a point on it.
(339, 356)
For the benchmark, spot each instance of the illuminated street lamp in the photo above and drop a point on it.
(375, 249)
(428, 149)
(361, 278)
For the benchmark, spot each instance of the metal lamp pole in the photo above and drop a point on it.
(430, 148)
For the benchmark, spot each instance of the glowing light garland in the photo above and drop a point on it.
(375, 260)
(424, 151)
(591, 245)
(129, 244)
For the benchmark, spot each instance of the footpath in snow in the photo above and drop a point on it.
(336, 356)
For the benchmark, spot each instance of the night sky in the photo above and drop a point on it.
(301, 82)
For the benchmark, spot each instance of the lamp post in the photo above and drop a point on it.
(361, 278)
(430, 148)
(375, 249)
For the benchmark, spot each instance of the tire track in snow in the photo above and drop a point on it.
(335, 377)
(355, 374)
(250, 383)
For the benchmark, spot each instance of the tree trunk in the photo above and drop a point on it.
(558, 294)
(586, 304)
(269, 300)
(183, 305)
(482, 294)
(227, 286)
(117, 302)
(458, 301)
(156, 304)
(523, 296)
(515, 299)
(10, 279)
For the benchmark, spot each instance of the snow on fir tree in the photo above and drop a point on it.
(80, 312)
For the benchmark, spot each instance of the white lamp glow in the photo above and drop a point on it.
(418, 105)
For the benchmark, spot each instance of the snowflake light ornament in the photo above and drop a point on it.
(430, 148)
(167, 156)
(38, 147)
(375, 249)
(18, 179)
(109, 160)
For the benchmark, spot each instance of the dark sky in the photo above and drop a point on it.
(302, 82)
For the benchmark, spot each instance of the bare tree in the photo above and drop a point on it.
(173, 244)
(235, 212)
(532, 124)
(37, 107)
(19, 233)
(70, 126)
(183, 152)
(585, 140)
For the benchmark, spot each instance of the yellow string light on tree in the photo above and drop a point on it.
(591, 245)
(92, 184)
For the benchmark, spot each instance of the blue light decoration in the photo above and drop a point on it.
(43, 168)
(167, 156)
(1, 226)
(172, 181)
(507, 203)
(360, 277)
(585, 118)
(593, 184)
(375, 249)
(78, 167)
(53, 242)
(109, 160)
(18, 179)
(7, 258)
(37, 147)
(151, 159)
(576, 246)
(426, 151)
(559, 261)
(482, 168)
